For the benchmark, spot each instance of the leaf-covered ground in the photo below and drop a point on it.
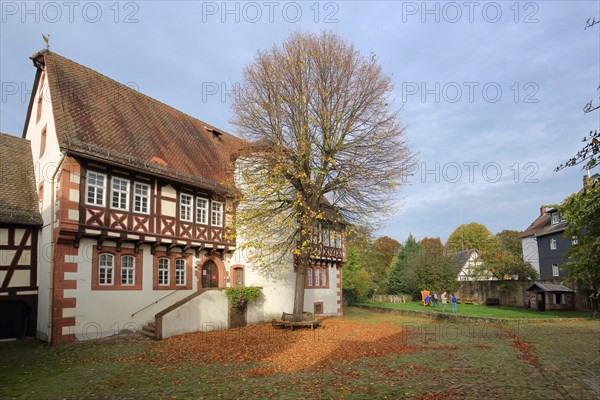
(361, 356)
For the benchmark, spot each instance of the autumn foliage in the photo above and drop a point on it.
(285, 350)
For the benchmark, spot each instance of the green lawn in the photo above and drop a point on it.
(416, 358)
(478, 310)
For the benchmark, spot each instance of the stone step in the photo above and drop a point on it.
(152, 324)
(149, 328)
(147, 333)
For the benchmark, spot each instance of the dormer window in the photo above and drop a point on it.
(555, 218)
(214, 131)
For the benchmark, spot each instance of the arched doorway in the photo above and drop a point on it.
(210, 275)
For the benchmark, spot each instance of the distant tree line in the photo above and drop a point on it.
(385, 266)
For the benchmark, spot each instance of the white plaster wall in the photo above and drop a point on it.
(44, 167)
(102, 313)
(168, 208)
(278, 289)
(256, 311)
(530, 252)
(328, 296)
(207, 312)
(277, 292)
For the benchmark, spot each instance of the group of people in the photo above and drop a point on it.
(432, 300)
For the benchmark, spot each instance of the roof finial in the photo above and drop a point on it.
(46, 40)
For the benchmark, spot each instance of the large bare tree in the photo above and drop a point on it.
(329, 148)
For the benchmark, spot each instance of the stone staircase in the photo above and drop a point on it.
(149, 330)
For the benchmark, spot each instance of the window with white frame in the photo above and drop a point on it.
(317, 277)
(574, 240)
(95, 188)
(324, 276)
(555, 218)
(552, 244)
(201, 211)
(120, 193)
(309, 275)
(141, 198)
(185, 207)
(216, 216)
(163, 271)
(127, 270)
(555, 270)
(180, 272)
(106, 268)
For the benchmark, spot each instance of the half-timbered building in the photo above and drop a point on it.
(137, 203)
(20, 222)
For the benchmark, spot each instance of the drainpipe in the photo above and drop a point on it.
(52, 245)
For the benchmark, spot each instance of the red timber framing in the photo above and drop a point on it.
(18, 286)
(155, 225)
(104, 224)
(63, 328)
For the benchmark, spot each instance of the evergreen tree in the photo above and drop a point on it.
(397, 283)
(433, 270)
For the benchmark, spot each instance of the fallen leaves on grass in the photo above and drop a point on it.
(525, 349)
(278, 350)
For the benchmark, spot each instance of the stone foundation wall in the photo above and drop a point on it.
(514, 293)
(392, 298)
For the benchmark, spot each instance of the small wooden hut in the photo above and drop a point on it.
(551, 296)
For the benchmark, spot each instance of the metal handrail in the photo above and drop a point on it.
(153, 303)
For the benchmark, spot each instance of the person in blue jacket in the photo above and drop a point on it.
(454, 301)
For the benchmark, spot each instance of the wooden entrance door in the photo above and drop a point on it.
(237, 317)
(210, 275)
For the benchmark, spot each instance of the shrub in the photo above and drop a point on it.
(240, 296)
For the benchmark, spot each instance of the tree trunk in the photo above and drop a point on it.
(302, 261)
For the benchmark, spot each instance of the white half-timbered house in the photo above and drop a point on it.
(20, 222)
(137, 204)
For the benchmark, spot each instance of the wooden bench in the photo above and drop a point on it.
(492, 302)
(287, 321)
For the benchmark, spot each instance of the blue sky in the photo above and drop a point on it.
(491, 92)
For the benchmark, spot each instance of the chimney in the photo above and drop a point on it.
(542, 210)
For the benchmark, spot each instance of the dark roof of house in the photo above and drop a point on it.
(99, 118)
(543, 226)
(463, 256)
(18, 193)
(549, 287)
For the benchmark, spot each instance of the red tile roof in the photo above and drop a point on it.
(98, 117)
(18, 193)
